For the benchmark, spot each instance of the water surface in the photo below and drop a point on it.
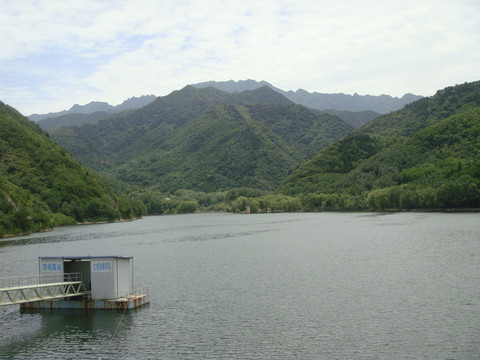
(271, 286)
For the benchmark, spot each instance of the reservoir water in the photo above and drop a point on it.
(270, 286)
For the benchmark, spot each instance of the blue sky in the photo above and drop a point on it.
(57, 53)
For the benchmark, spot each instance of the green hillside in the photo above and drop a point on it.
(357, 118)
(42, 186)
(427, 111)
(119, 138)
(205, 140)
(425, 156)
(221, 149)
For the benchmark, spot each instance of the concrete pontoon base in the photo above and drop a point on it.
(123, 303)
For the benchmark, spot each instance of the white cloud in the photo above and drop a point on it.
(57, 53)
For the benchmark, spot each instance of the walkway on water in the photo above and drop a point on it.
(25, 289)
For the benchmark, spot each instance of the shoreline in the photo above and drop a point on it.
(8, 236)
(106, 222)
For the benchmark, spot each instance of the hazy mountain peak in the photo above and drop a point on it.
(91, 107)
(232, 86)
(264, 94)
(321, 101)
(99, 106)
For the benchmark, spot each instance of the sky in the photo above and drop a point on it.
(57, 53)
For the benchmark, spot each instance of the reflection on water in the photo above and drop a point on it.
(283, 286)
(39, 334)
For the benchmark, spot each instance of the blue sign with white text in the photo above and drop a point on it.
(102, 266)
(52, 267)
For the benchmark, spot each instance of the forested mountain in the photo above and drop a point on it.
(204, 139)
(381, 104)
(426, 155)
(125, 136)
(42, 186)
(354, 118)
(221, 149)
(96, 107)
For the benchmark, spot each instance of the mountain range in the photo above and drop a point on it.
(354, 109)
(98, 107)
(381, 104)
(204, 139)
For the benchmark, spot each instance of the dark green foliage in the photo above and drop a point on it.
(233, 194)
(306, 130)
(266, 204)
(458, 193)
(421, 157)
(42, 185)
(186, 207)
(355, 118)
(222, 149)
(157, 203)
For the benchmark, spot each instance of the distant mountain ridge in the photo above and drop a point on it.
(381, 104)
(99, 106)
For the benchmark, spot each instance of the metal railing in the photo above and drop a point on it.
(141, 291)
(28, 280)
(22, 289)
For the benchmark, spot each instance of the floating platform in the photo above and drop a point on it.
(76, 282)
(124, 303)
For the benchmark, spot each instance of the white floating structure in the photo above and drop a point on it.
(108, 283)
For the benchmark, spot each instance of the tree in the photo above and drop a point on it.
(186, 207)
